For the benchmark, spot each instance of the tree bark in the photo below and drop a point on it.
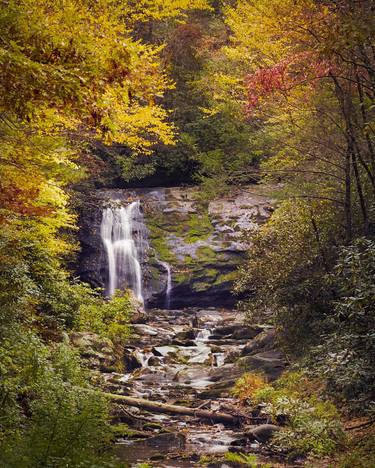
(360, 194)
(157, 407)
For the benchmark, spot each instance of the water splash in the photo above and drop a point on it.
(122, 232)
(169, 284)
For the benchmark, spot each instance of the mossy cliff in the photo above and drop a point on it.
(202, 243)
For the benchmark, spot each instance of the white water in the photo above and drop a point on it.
(203, 335)
(169, 284)
(122, 233)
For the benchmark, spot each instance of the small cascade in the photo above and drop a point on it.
(122, 231)
(203, 335)
(169, 284)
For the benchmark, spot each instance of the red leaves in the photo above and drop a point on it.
(300, 69)
(20, 201)
(264, 82)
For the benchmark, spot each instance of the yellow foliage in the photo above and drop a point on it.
(247, 385)
(158, 10)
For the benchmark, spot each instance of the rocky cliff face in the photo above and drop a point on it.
(201, 244)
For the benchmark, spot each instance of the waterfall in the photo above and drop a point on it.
(122, 231)
(169, 284)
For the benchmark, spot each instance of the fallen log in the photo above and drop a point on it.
(156, 407)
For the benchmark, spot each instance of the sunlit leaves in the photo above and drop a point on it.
(158, 10)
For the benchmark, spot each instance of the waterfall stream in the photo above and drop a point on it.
(169, 284)
(122, 232)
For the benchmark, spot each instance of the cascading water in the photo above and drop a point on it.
(122, 231)
(169, 284)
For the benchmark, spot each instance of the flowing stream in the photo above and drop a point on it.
(183, 359)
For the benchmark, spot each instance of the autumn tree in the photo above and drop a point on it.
(309, 89)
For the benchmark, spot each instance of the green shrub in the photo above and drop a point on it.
(49, 416)
(246, 386)
(106, 318)
(245, 460)
(312, 425)
(346, 354)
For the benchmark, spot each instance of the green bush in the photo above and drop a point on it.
(49, 415)
(312, 425)
(243, 459)
(346, 354)
(109, 319)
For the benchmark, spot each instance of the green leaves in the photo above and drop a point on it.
(109, 319)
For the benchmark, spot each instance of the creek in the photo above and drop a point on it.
(182, 360)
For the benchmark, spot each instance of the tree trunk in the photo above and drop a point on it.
(157, 407)
(348, 199)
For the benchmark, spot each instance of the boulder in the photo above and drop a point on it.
(264, 341)
(154, 361)
(271, 363)
(189, 334)
(131, 361)
(166, 441)
(99, 353)
(237, 331)
(262, 433)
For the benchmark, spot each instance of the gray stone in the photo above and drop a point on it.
(265, 341)
(167, 441)
(263, 433)
(271, 363)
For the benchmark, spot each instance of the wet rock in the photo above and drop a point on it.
(139, 317)
(271, 363)
(232, 356)
(240, 442)
(164, 350)
(186, 335)
(167, 441)
(219, 389)
(131, 361)
(99, 353)
(184, 344)
(227, 372)
(244, 333)
(154, 361)
(263, 433)
(236, 332)
(155, 352)
(149, 448)
(143, 329)
(203, 246)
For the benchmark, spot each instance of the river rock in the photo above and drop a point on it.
(131, 360)
(265, 341)
(236, 331)
(271, 363)
(262, 433)
(167, 441)
(154, 361)
(185, 335)
(99, 353)
(139, 317)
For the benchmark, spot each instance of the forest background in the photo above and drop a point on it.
(123, 93)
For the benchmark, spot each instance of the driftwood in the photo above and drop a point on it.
(157, 407)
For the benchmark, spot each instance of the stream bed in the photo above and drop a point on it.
(182, 357)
